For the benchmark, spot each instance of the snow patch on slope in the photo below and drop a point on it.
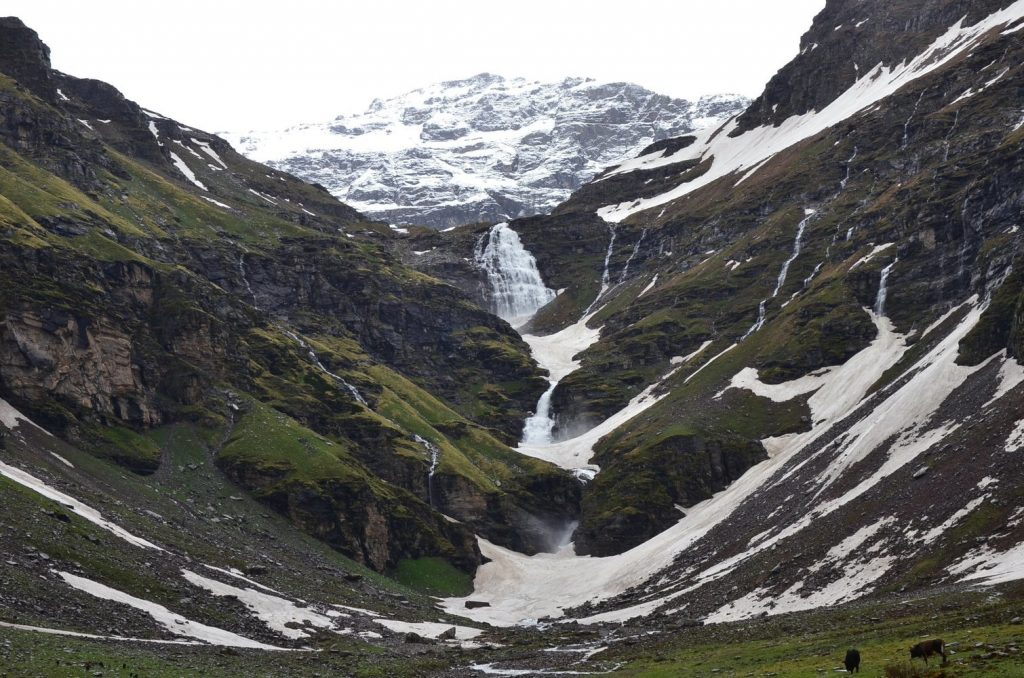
(172, 622)
(184, 169)
(92, 515)
(276, 612)
(521, 588)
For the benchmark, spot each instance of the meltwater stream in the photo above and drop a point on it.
(797, 246)
(353, 391)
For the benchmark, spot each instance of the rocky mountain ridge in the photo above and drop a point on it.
(485, 148)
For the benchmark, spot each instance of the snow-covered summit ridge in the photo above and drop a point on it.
(483, 148)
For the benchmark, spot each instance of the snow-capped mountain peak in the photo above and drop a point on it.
(485, 148)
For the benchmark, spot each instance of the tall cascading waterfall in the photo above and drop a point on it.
(516, 288)
(517, 292)
(883, 288)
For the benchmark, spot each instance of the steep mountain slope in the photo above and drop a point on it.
(481, 149)
(152, 277)
(801, 336)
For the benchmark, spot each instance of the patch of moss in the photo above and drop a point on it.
(124, 446)
(433, 576)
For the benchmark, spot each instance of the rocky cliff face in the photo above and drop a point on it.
(846, 41)
(481, 149)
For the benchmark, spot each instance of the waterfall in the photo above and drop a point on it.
(604, 276)
(906, 125)
(245, 279)
(808, 279)
(316, 361)
(516, 288)
(636, 248)
(797, 244)
(883, 290)
(761, 313)
(435, 459)
(956, 119)
(849, 163)
(537, 429)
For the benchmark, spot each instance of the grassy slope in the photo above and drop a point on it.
(815, 643)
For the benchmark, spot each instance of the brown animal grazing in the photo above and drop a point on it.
(852, 661)
(927, 648)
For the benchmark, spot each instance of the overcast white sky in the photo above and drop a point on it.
(233, 65)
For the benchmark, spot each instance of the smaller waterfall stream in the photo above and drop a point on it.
(849, 164)
(761, 314)
(435, 459)
(516, 288)
(945, 153)
(906, 125)
(636, 248)
(605, 277)
(797, 244)
(316, 361)
(245, 280)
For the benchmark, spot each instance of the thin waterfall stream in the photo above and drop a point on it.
(316, 361)
(781, 280)
(435, 460)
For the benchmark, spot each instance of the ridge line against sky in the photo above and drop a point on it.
(238, 66)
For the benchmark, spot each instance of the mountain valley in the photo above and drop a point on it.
(730, 406)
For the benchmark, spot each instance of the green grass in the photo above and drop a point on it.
(277, 444)
(126, 447)
(434, 576)
(34, 654)
(815, 644)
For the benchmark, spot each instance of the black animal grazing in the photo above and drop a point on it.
(852, 661)
(927, 648)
